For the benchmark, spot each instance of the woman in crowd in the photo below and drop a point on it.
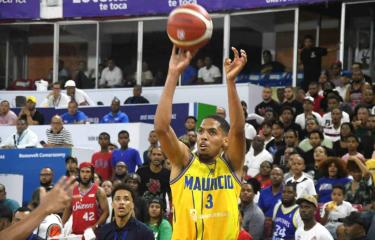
(340, 147)
(353, 146)
(155, 220)
(320, 155)
(332, 172)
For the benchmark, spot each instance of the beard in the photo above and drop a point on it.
(46, 184)
(85, 183)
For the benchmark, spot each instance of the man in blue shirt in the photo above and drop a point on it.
(116, 116)
(269, 197)
(126, 154)
(8, 203)
(74, 116)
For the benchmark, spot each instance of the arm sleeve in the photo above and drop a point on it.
(118, 77)
(138, 158)
(125, 118)
(311, 188)
(200, 75)
(256, 226)
(217, 72)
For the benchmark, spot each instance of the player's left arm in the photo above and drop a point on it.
(103, 203)
(236, 137)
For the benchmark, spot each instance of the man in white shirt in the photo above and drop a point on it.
(256, 156)
(56, 98)
(24, 138)
(111, 75)
(77, 95)
(308, 111)
(310, 230)
(333, 102)
(209, 73)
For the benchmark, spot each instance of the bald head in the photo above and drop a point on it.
(56, 124)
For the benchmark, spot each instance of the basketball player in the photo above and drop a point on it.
(286, 217)
(206, 185)
(92, 201)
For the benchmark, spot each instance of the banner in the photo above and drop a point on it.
(29, 162)
(19, 9)
(202, 110)
(97, 8)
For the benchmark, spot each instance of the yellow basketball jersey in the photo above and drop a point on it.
(205, 201)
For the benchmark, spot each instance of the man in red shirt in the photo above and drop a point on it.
(102, 160)
(314, 92)
(89, 207)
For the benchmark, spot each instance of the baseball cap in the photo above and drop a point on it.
(70, 83)
(308, 198)
(31, 98)
(363, 219)
(309, 98)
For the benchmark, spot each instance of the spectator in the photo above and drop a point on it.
(333, 173)
(287, 118)
(190, 122)
(78, 95)
(121, 171)
(291, 141)
(305, 184)
(102, 160)
(20, 214)
(270, 66)
(336, 209)
(335, 72)
(286, 218)
(190, 75)
(124, 223)
(8, 203)
(267, 104)
(209, 73)
(56, 98)
(342, 88)
(161, 228)
(308, 112)
(360, 190)
(57, 135)
(154, 142)
(74, 116)
(316, 138)
(147, 78)
(111, 75)
(6, 216)
(314, 93)
(358, 67)
(270, 195)
(332, 130)
(277, 142)
(266, 132)
(353, 144)
(71, 165)
(333, 101)
(133, 181)
(192, 140)
(255, 156)
(310, 229)
(368, 98)
(45, 178)
(92, 203)
(253, 220)
(83, 77)
(155, 178)
(63, 74)
(107, 187)
(356, 226)
(311, 58)
(7, 116)
(29, 112)
(23, 138)
(340, 147)
(312, 125)
(243, 235)
(136, 98)
(264, 174)
(354, 92)
(126, 154)
(115, 116)
(290, 101)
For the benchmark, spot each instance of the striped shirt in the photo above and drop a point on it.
(60, 138)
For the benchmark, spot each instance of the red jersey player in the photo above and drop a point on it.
(90, 209)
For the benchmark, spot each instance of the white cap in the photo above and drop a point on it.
(70, 83)
(309, 98)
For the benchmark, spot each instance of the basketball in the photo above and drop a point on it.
(189, 26)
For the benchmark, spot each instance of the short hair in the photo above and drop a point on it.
(295, 133)
(133, 176)
(224, 125)
(292, 185)
(341, 170)
(74, 102)
(338, 186)
(4, 101)
(360, 106)
(71, 159)
(23, 118)
(47, 168)
(105, 134)
(266, 123)
(23, 209)
(123, 132)
(191, 117)
(321, 136)
(122, 186)
(313, 83)
(278, 123)
(254, 184)
(287, 108)
(353, 136)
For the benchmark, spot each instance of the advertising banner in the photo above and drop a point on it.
(19, 9)
(29, 162)
(93, 8)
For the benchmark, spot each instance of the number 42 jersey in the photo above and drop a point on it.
(205, 201)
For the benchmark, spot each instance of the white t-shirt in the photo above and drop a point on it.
(209, 75)
(327, 118)
(341, 211)
(342, 90)
(250, 131)
(112, 78)
(80, 97)
(301, 119)
(305, 185)
(253, 162)
(51, 222)
(318, 232)
(60, 102)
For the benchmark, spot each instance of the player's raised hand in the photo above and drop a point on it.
(234, 67)
(180, 59)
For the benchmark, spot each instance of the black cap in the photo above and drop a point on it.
(362, 219)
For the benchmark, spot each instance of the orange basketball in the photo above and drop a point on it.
(189, 26)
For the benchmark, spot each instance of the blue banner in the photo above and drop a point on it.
(19, 9)
(98, 8)
(29, 162)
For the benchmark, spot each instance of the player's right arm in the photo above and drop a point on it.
(175, 150)
(66, 214)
